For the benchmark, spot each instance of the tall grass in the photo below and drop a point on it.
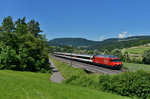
(27, 85)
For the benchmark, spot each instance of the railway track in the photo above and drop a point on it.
(90, 67)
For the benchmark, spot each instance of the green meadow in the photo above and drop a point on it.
(137, 50)
(28, 85)
(134, 66)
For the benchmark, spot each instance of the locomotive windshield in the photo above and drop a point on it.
(116, 60)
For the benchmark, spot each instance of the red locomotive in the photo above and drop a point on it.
(102, 60)
(107, 60)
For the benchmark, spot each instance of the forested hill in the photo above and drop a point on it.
(107, 44)
(111, 44)
(72, 41)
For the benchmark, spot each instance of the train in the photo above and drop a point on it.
(110, 61)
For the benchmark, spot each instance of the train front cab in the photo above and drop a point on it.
(116, 63)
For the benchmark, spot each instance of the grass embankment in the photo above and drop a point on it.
(134, 66)
(28, 85)
(76, 76)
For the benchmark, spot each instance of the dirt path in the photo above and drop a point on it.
(56, 76)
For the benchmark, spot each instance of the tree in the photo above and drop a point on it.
(33, 27)
(126, 57)
(106, 51)
(90, 52)
(67, 48)
(7, 24)
(21, 48)
(96, 52)
(7, 33)
(146, 56)
(116, 52)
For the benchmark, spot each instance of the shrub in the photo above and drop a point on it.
(81, 80)
(127, 84)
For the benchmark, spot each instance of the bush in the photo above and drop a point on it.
(82, 81)
(127, 84)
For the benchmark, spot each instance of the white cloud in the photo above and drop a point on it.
(122, 35)
(124, 32)
(141, 34)
(130, 35)
(101, 38)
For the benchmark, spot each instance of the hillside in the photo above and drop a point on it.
(135, 53)
(28, 85)
(108, 44)
(72, 41)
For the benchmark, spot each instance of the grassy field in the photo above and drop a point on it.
(134, 66)
(137, 50)
(135, 53)
(28, 85)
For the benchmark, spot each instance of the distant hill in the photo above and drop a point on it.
(110, 44)
(107, 44)
(72, 41)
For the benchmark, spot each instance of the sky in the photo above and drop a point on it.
(91, 19)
